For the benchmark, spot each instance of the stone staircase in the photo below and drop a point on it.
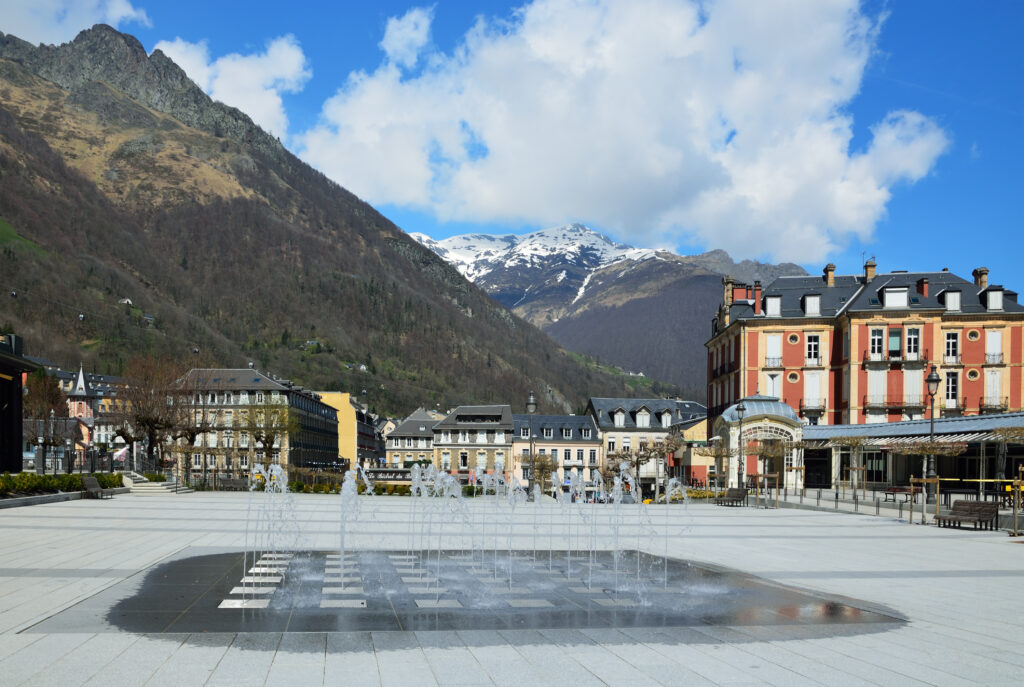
(140, 486)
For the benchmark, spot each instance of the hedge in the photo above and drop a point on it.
(29, 483)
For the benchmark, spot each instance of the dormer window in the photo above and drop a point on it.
(643, 419)
(620, 418)
(895, 298)
(773, 306)
(666, 419)
(952, 299)
(994, 300)
(812, 305)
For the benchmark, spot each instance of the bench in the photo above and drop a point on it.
(906, 492)
(231, 484)
(733, 497)
(93, 490)
(983, 513)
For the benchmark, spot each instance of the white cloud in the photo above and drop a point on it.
(252, 83)
(404, 38)
(58, 21)
(659, 120)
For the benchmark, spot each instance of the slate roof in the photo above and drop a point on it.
(478, 417)
(602, 410)
(418, 424)
(850, 293)
(227, 379)
(574, 423)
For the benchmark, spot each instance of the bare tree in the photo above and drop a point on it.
(148, 410)
(542, 465)
(271, 425)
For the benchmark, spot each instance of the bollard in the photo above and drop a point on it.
(837, 500)
(818, 502)
(802, 497)
(901, 511)
(878, 506)
(856, 503)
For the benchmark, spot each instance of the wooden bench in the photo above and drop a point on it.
(983, 513)
(733, 497)
(906, 492)
(93, 490)
(231, 484)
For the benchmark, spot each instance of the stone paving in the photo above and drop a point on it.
(957, 591)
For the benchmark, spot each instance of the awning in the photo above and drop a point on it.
(896, 442)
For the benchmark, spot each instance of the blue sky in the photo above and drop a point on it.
(822, 131)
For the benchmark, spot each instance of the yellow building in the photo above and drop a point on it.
(357, 440)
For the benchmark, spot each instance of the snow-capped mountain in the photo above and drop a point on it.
(575, 283)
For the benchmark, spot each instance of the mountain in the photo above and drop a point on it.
(136, 214)
(641, 309)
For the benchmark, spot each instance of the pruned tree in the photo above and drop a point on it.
(271, 425)
(148, 411)
(542, 466)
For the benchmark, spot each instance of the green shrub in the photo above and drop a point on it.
(155, 476)
(391, 490)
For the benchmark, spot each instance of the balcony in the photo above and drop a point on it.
(994, 404)
(813, 361)
(773, 362)
(874, 402)
(952, 406)
(896, 356)
(812, 406)
(993, 358)
(952, 359)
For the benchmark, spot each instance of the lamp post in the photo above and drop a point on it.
(531, 408)
(67, 457)
(49, 442)
(741, 457)
(932, 380)
(40, 456)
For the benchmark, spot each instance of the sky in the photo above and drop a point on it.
(806, 131)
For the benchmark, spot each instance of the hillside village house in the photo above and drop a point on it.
(236, 406)
(856, 349)
(571, 441)
(636, 424)
(473, 436)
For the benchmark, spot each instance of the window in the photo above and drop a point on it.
(876, 343)
(993, 346)
(952, 389)
(995, 300)
(585, 432)
(259, 397)
(446, 437)
(952, 300)
(463, 460)
(771, 386)
(481, 437)
(666, 419)
(554, 455)
(952, 347)
(846, 343)
(211, 460)
(548, 432)
(566, 433)
(421, 442)
(526, 453)
(895, 298)
(620, 419)
(579, 455)
(463, 436)
(773, 306)
(627, 444)
(813, 349)
(593, 456)
(243, 461)
(499, 436)
(895, 343)
(913, 344)
(812, 305)
(197, 460)
(643, 419)
(524, 432)
(446, 461)
(773, 350)
(481, 458)
(611, 446)
(408, 442)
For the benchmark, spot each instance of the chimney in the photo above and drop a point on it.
(869, 271)
(727, 283)
(830, 274)
(757, 298)
(922, 286)
(980, 277)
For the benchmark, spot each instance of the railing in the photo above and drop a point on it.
(993, 358)
(773, 362)
(995, 403)
(812, 405)
(812, 361)
(951, 359)
(874, 357)
(895, 356)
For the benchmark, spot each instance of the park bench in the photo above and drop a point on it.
(983, 513)
(93, 490)
(906, 492)
(733, 497)
(231, 484)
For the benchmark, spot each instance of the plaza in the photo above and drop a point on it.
(945, 601)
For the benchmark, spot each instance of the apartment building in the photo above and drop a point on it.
(412, 440)
(856, 349)
(571, 441)
(473, 436)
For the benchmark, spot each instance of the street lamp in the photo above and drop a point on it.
(932, 380)
(531, 408)
(49, 441)
(41, 456)
(67, 457)
(741, 458)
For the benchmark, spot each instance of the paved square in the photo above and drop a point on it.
(958, 592)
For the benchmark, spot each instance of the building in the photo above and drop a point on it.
(855, 349)
(243, 416)
(412, 441)
(571, 441)
(634, 425)
(472, 437)
(987, 450)
(358, 440)
(12, 368)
